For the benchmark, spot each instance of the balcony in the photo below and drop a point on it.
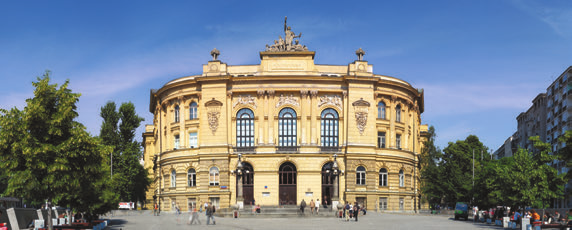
(244, 149)
(330, 149)
(287, 149)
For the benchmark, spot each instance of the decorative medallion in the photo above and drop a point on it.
(287, 100)
(333, 100)
(361, 108)
(213, 111)
(245, 100)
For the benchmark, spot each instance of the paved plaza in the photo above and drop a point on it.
(370, 221)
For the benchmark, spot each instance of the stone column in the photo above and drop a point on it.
(262, 126)
(270, 106)
(302, 115)
(313, 114)
(239, 196)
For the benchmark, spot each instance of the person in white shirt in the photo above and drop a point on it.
(317, 206)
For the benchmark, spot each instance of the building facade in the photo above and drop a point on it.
(285, 130)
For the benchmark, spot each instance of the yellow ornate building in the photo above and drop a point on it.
(285, 130)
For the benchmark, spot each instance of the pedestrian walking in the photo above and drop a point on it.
(317, 206)
(211, 209)
(312, 206)
(347, 211)
(155, 210)
(302, 206)
(194, 217)
(356, 211)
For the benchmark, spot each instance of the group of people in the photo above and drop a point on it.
(210, 210)
(349, 211)
(314, 206)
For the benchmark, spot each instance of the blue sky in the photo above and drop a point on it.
(480, 62)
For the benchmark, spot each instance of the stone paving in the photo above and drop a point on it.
(137, 220)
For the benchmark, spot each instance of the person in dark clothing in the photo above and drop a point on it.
(356, 211)
(302, 205)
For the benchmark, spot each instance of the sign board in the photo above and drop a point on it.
(126, 205)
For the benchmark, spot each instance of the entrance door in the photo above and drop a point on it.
(327, 183)
(247, 183)
(287, 178)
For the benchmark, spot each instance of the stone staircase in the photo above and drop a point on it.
(285, 211)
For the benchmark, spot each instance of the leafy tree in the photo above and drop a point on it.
(457, 169)
(131, 180)
(430, 171)
(48, 156)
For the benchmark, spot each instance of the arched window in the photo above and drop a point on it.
(214, 176)
(245, 128)
(401, 178)
(329, 128)
(398, 113)
(173, 178)
(176, 113)
(360, 175)
(381, 110)
(193, 110)
(287, 127)
(192, 178)
(383, 177)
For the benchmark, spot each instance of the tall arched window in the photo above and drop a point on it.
(401, 178)
(214, 176)
(193, 110)
(177, 113)
(329, 128)
(381, 110)
(398, 113)
(173, 178)
(287, 127)
(360, 175)
(245, 128)
(383, 177)
(192, 178)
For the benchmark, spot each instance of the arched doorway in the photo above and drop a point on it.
(287, 179)
(247, 183)
(327, 183)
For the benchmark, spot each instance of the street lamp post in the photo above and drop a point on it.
(335, 173)
(239, 173)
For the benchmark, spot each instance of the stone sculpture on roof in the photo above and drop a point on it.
(288, 43)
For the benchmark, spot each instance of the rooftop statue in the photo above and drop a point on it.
(287, 44)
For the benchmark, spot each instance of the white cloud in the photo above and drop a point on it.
(558, 18)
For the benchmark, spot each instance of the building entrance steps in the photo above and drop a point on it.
(284, 211)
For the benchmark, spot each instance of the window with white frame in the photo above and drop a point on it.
(192, 178)
(214, 176)
(381, 110)
(360, 175)
(381, 139)
(193, 111)
(287, 127)
(401, 178)
(177, 113)
(245, 128)
(329, 128)
(193, 140)
(383, 177)
(173, 178)
(177, 142)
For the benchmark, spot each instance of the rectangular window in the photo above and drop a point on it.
(177, 142)
(381, 139)
(401, 205)
(193, 140)
(382, 203)
(215, 201)
(398, 141)
(192, 203)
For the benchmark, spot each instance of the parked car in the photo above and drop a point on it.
(461, 210)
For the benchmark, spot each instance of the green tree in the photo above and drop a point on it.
(47, 155)
(431, 178)
(457, 168)
(131, 180)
